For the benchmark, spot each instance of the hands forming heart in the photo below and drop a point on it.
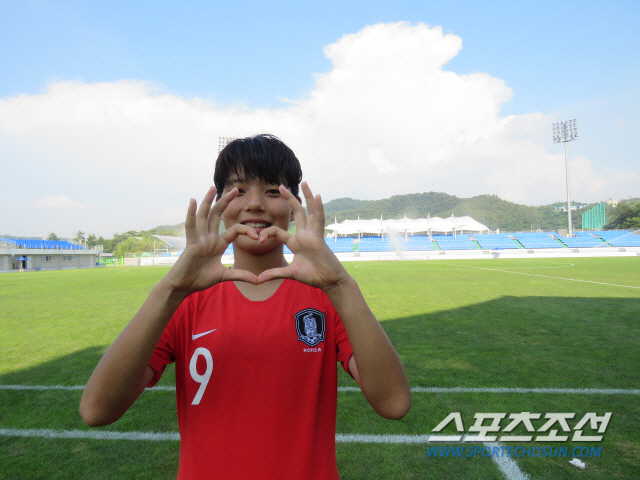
(200, 266)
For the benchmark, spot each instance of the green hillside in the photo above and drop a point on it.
(490, 210)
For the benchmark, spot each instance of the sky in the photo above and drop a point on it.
(110, 112)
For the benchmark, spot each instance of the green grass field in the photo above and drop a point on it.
(532, 323)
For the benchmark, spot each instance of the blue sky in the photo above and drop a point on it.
(532, 62)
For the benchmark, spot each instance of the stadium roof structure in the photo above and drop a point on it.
(408, 226)
(178, 243)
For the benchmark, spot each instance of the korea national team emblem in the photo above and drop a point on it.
(310, 326)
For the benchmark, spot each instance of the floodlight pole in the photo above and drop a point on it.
(565, 132)
(566, 164)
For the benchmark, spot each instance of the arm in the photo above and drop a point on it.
(375, 365)
(124, 372)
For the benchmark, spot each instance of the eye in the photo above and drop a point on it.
(273, 191)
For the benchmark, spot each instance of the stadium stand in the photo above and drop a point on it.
(375, 244)
(537, 240)
(416, 243)
(582, 241)
(485, 241)
(585, 234)
(619, 238)
(611, 234)
(340, 245)
(495, 241)
(42, 244)
(459, 242)
(628, 241)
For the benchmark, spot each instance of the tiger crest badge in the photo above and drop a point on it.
(310, 325)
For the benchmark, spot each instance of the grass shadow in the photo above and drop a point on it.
(556, 342)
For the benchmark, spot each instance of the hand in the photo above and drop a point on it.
(200, 267)
(313, 261)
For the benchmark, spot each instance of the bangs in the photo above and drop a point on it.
(250, 169)
(264, 157)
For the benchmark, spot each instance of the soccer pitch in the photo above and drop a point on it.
(552, 337)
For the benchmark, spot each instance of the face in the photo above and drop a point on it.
(259, 206)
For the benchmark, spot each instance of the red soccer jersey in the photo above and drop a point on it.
(256, 383)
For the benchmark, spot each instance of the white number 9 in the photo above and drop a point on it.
(203, 380)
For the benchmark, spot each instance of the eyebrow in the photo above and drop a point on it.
(237, 180)
(234, 181)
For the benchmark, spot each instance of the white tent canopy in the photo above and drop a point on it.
(407, 226)
(172, 242)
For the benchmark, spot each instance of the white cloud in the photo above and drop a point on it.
(59, 201)
(388, 118)
(377, 159)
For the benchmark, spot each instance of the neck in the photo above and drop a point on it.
(257, 263)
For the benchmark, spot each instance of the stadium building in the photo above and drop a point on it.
(434, 238)
(19, 255)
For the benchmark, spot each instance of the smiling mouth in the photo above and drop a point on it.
(257, 224)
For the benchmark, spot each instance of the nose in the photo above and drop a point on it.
(254, 201)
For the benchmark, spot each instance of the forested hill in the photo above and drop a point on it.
(487, 209)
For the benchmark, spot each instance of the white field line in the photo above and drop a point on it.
(572, 391)
(88, 434)
(553, 278)
(460, 267)
(155, 436)
(507, 465)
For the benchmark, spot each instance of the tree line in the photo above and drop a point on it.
(130, 242)
(626, 217)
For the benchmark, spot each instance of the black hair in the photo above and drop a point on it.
(264, 157)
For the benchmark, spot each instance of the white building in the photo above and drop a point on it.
(21, 255)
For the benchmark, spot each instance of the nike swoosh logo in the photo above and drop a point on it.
(196, 336)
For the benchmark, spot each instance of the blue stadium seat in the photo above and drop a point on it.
(44, 244)
(492, 241)
(416, 243)
(375, 244)
(340, 245)
(460, 242)
(582, 242)
(537, 240)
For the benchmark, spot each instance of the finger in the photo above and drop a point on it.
(190, 222)
(315, 210)
(215, 217)
(319, 216)
(236, 274)
(275, 273)
(238, 229)
(299, 215)
(308, 199)
(202, 216)
(274, 232)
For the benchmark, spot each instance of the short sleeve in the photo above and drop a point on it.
(343, 347)
(164, 354)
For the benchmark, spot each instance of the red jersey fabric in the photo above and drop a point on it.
(256, 383)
